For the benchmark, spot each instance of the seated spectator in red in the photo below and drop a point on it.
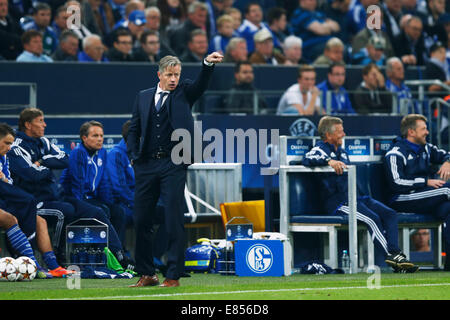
(197, 47)
(236, 50)
(10, 32)
(33, 48)
(93, 50)
(68, 47)
(264, 51)
(122, 47)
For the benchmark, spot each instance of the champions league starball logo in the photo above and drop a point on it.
(259, 258)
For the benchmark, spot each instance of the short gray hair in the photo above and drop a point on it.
(88, 40)
(327, 125)
(292, 41)
(196, 5)
(390, 62)
(168, 61)
(232, 44)
(334, 42)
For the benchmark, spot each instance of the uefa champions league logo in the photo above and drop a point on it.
(259, 258)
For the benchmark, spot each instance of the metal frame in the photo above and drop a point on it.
(32, 98)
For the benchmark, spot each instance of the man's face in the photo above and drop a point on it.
(61, 20)
(95, 49)
(35, 46)
(282, 22)
(70, 46)
(226, 29)
(437, 5)
(42, 18)
(94, 139)
(198, 17)
(374, 54)
(151, 45)
(397, 72)
(36, 127)
(255, 14)
(335, 54)
(3, 8)
(307, 81)
(245, 74)
(240, 52)
(371, 79)
(294, 53)
(199, 45)
(135, 29)
(153, 20)
(337, 136)
(420, 133)
(169, 78)
(124, 44)
(5, 144)
(414, 29)
(337, 76)
(265, 47)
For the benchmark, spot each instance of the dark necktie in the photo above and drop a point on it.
(160, 101)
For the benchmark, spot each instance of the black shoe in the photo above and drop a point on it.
(399, 260)
(409, 270)
(126, 262)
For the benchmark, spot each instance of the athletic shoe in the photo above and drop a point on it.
(43, 274)
(60, 272)
(409, 270)
(399, 260)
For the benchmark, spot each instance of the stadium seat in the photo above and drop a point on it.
(252, 210)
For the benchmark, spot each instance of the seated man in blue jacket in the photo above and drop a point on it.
(33, 159)
(381, 220)
(86, 178)
(408, 169)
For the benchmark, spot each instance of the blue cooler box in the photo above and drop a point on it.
(262, 257)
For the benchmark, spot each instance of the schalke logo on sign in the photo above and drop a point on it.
(259, 258)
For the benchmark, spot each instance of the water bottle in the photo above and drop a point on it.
(345, 261)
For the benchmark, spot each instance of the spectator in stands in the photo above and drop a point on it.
(380, 219)
(433, 30)
(135, 24)
(340, 101)
(10, 33)
(362, 37)
(237, 19)
(151, 49)
(82, 30)
(173, 12)
(358, 14)
(197, 47)
(130, 7)
(59, 23)
(313, 27)
(242, 93)
(420, 239)
(122, 47)
(180, 34)
(118, 9)
(292, 48)
(395, 73)
(215, 10)
(33, 48)
(371, 96)
(224, 34)
(103, 15)
(153, 18)
(302, 97)
(93, 50)
(392, 13)
(277, 22)
(236, 50)
(252, 23)
(264, 52)
(333, 52)
(372, 53)
(33, 159)
(411, 187)
(409, 45)
(437, 67)
(41, 22)
(338, 10)
(68, 47)
(86, 179)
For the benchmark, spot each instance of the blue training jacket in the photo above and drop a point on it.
(86, 176)
(333, 187)
(36, 180)
(121, 175)
(408, 167)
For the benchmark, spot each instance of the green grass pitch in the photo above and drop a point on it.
(418, 286)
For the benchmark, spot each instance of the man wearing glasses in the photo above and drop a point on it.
(122, 46)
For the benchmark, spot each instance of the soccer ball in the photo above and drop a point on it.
(26, 268)
(8, 270)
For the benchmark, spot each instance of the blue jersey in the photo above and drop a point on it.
(300, 21)
(340, 101)
(4, 168)
(404, 95)
(121, 175)
(86, 176)
(37, 180)
(407, 165)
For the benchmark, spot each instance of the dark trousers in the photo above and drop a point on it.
(381, 222)
(157, 177)
(429, 201)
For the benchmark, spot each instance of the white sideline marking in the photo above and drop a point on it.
(249, 291)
